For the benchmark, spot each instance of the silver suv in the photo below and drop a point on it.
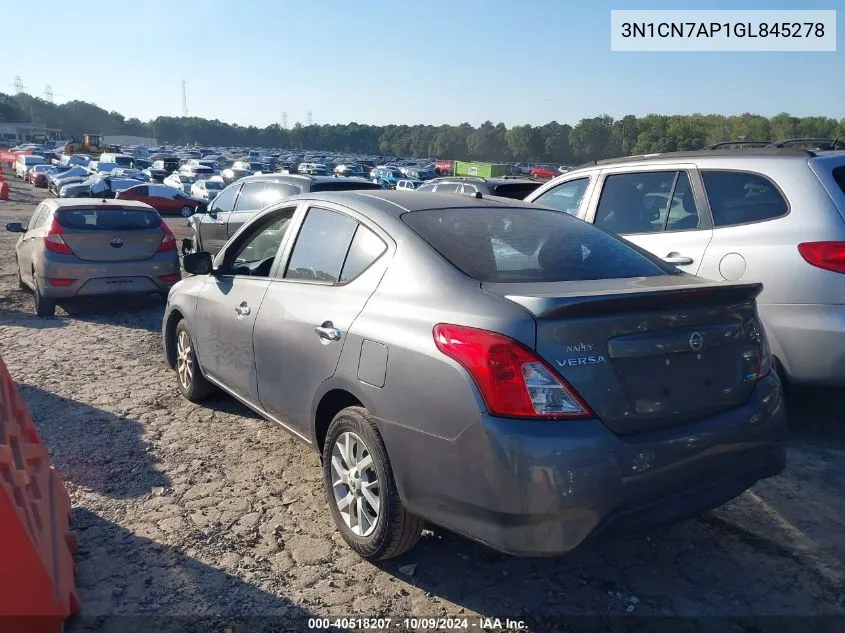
(773, 215)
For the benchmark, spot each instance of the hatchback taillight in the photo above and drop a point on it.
(168, 241)
(54, 241)
(826, 255)
(512, 380)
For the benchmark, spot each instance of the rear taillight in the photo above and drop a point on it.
(513, 381)
(826, 255)
(54, 241)
(766, 363)
(173, 277)
(168, 241)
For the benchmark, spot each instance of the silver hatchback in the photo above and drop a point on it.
(775, 216)
(84, 248)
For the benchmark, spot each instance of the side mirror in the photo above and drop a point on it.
(15, 227)
(198, 263)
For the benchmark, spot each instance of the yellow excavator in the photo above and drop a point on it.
(91, 144)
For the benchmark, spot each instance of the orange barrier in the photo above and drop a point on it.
(4, 190)
(37, 571)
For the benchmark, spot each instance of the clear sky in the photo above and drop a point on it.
(423, 61)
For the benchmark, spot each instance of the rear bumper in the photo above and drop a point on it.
(106, 278)
(809, 341)
(545, 488)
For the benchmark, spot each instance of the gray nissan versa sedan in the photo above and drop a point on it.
(84, 248)
(500, 369)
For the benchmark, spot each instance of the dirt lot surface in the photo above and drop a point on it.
(184, 509)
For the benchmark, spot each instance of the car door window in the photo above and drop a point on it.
(742, 198)
(635, 202)
(140, 192)
(470, 189)
(254, 255)
(683, 214)
(225, 202)
(366, 248)
(321, 246)
(565, 197)
(447, 188)
(37, 218)
(251, 197)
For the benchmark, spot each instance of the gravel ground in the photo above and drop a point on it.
(186, 510)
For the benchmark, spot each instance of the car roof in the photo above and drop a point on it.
(86, 203)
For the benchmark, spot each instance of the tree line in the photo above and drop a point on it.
(559, 143)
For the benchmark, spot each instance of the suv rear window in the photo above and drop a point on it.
(515, 190)
(528, 245)
(742, 198)
(343, 186)
(108, 219)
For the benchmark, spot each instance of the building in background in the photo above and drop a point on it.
(15, 133)
(125, 140)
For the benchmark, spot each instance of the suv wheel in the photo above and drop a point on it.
(361, 491)
(192, 384)
(186, 211)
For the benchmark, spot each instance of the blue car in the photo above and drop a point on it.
(386, 177)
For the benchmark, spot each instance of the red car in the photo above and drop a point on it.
(443, 167)
(166, 200)
(37, 175)
(544, 171)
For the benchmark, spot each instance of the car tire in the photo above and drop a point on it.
(186, 211)
(192, 384)
(352, 438)
(44, 307)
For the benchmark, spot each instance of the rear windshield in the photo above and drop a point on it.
(528, 245)
(123, 161)
(108, 219)
(839, 177)
(515, 190)
(343, 186)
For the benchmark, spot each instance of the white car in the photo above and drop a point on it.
(179, 181)
(208, 189)
(24, 163)
(408, 184)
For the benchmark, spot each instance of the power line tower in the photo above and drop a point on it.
(18, 84)
(284, 120)
(309, 117)
(48, 93)
(184, 99)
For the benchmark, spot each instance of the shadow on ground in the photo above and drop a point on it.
(130, 584)
(91, 447)
(143, 312)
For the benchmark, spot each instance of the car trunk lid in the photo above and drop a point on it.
(111, 233)
(646, 353)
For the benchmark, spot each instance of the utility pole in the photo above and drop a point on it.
(184, 99)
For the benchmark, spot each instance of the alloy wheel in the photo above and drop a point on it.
(355, 484)
(184, 360)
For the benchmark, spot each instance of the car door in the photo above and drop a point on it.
(335, 264)
(661, 210)
(212, 225)
(229, 302)
(29, 242)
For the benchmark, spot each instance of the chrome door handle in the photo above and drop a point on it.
(221, 222)
(327, 333)
(242, 310)
(677, 259)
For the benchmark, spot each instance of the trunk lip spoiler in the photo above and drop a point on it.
(596, 303)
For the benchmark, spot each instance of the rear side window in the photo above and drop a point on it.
(839, 177)
(366, 248)
(275, 191)
(321, 246)
(515, 190)
(343, 186)
(741, 198)
(108, 219)
(251, 198)
(528, 245)
(447, 188)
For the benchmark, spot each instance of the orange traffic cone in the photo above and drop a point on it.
(4, 190)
